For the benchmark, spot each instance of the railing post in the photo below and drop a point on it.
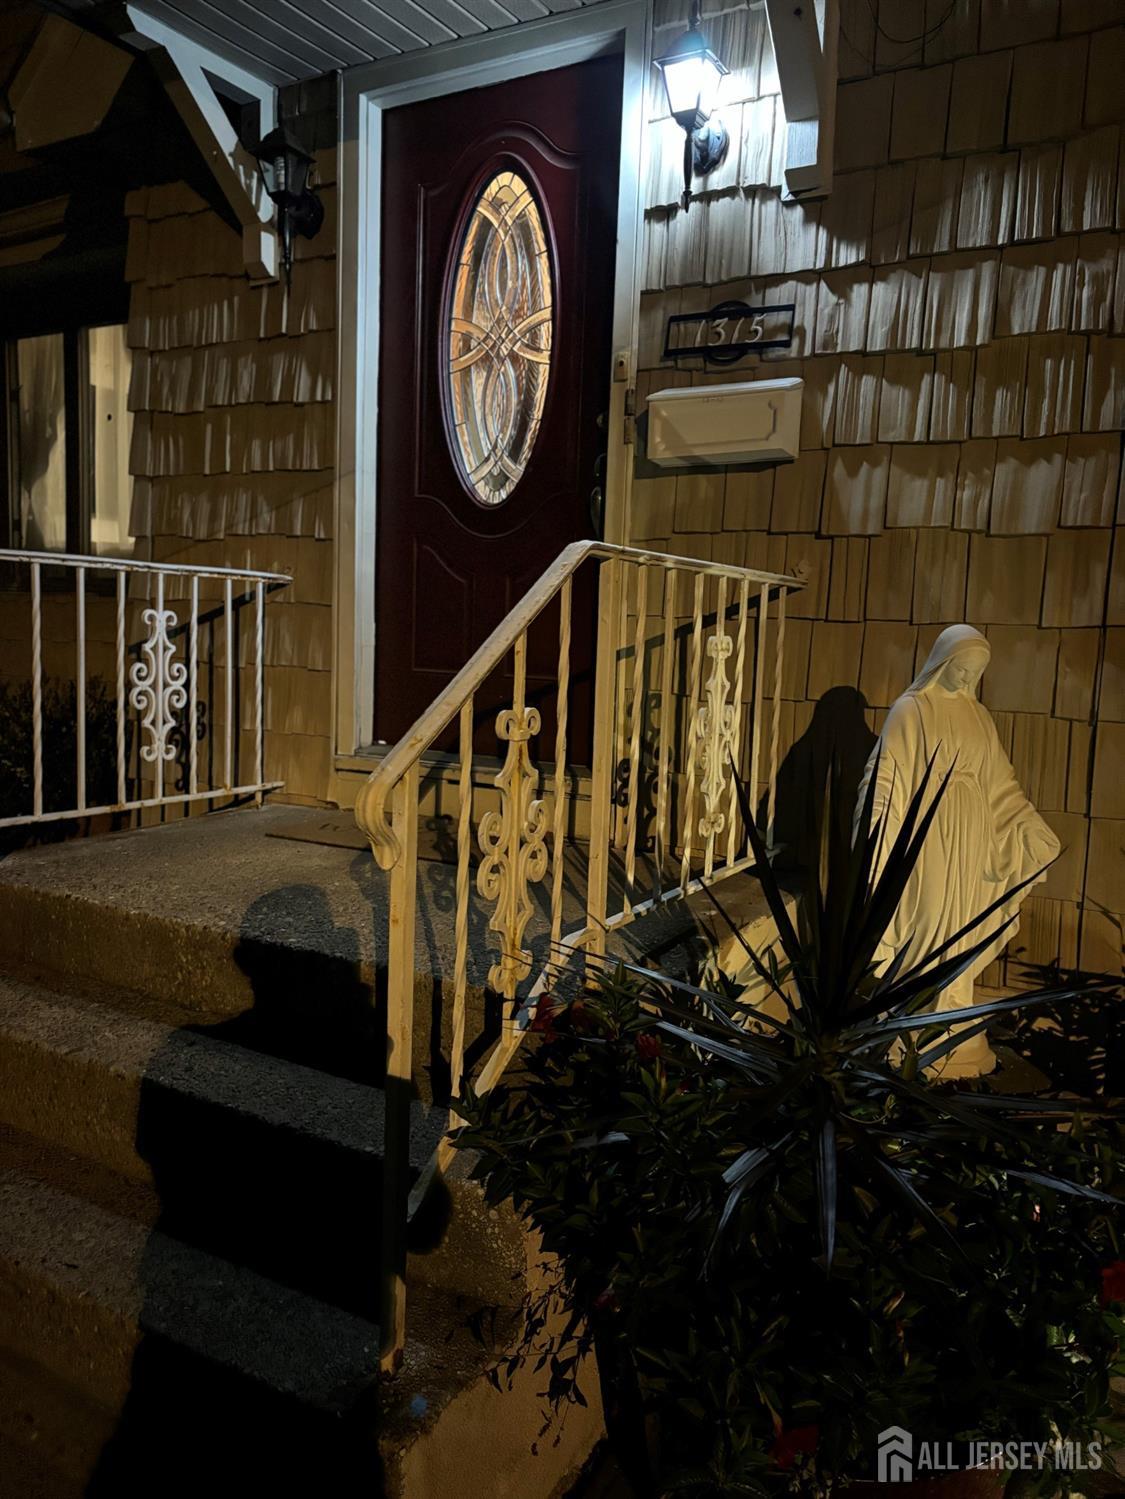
(37, 688)
(636, 743)
(122, 789)
(667, 726)
(739, 713)
(558, 833)
(228, 686)
(159, 687)
(756, 705)
(605, 735)
(80, 689)
(694, 682)
(775, 732)
(398, 1090)
(193, 692)
(259, 684)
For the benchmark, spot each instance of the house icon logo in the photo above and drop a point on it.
(895, 1455)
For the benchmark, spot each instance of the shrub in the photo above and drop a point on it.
(782, 1236)
(60, 784)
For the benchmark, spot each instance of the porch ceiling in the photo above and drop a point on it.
(286, 41)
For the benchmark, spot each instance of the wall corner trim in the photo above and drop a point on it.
(805, 39)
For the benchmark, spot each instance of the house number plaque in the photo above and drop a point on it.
(729, 332)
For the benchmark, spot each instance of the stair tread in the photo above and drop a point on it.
(148, 871)
(101, 1283)
(51, 1432)
(79, 1176)
(288, 1341)
(212, 1069)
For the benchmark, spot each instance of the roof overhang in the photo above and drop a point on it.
(291, 41)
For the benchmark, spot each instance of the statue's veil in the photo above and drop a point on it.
(951, 642)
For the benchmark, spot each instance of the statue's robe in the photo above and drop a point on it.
(977, 846)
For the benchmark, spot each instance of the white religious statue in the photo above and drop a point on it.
(985, 837)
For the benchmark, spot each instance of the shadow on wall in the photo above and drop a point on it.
(837, 735)
(240, 1378)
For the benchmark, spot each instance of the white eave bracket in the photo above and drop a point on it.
(184, 67)
(805, 34)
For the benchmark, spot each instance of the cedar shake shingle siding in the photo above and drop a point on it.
(961, 333)
(234, 436)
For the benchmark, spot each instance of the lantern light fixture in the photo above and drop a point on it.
(692, 73)
(286, 166)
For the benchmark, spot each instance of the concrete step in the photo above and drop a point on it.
(209, 913)
(262, 1160)
(218, 918)
(51, 1433)
(134, 1363)
(176, 1340)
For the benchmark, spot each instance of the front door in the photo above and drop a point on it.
(499, 237)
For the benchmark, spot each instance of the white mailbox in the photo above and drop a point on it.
(756, 421)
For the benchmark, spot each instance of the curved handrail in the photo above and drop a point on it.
(371, 805)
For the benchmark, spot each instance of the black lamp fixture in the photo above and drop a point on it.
(285, 166)
(691, 73)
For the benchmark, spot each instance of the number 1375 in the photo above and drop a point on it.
(724, 330)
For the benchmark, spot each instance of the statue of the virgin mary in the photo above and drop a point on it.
(985, 837)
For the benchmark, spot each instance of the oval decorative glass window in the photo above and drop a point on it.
(499, 338)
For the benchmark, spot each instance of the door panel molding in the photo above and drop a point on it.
(620, 26)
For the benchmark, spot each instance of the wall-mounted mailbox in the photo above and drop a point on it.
(756, 421)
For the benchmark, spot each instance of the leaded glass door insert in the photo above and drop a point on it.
(499, 342)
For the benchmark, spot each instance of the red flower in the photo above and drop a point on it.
(1113, 1282)
(544, 1017)
(605, 1301)
(649, 1045)
(789, 1445)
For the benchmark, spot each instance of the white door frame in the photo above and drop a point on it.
(365, 92)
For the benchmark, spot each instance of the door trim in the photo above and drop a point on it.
(610, 26)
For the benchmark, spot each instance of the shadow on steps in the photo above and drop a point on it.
(206, 1428)
(258, 1400)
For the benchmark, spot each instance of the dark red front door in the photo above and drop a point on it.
(499, 234)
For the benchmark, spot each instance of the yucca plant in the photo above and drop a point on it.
(855, 1040)
(785, 1236)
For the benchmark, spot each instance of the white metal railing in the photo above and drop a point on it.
(158, 701)
(686, 652)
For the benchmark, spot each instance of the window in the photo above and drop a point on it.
(499, 338)
(68, 433)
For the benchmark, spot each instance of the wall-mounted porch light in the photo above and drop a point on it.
(285, 167)
(691, 73)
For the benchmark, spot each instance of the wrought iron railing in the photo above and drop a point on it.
(686, 654)
(160, 660)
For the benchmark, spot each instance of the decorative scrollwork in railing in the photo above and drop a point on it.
(159, 689)
(646, 773)
(714, 729)
(513, 848)
(180, 739)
